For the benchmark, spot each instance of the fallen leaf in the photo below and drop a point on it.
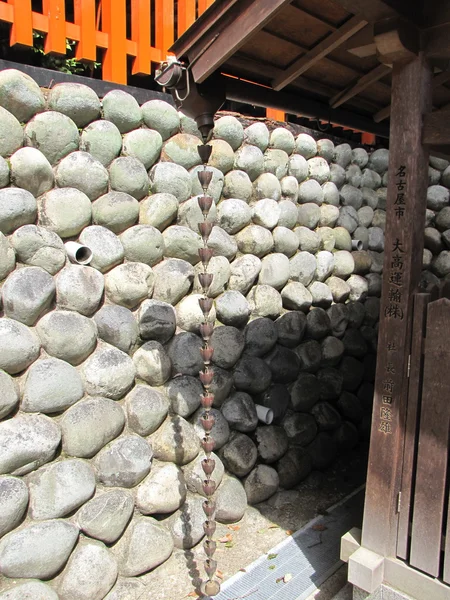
(192, 594)
(226, 538)
(319, 527)
(289, 532)
(229, 544)
(234, 527)
(219, 574)
(262, 530)
(287, 577)
(273, 526)
(243, 570)
(272, 556)
(272, 567)
(279, 580)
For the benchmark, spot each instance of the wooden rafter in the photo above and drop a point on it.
(360, 85)
(436, 128)
(320, 21)
(375, 10)
(319, 51)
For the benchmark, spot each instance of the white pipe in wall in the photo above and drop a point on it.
(78, 254)
(265, 415)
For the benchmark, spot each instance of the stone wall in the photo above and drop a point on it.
(99, 438)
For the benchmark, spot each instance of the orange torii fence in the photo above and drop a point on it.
(103, 25)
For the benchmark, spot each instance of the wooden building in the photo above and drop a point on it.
(381, 66)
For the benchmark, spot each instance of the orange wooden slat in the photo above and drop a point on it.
(22, 27)
(6, 12)
(203, 5)
(164, 12)
(186, 15)
(114, 24)
(140, 33)
(368, 138)
(85, 18)
(55, 40)
(40, 22)
(275, 115)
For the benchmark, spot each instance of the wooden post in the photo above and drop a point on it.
(406, 203)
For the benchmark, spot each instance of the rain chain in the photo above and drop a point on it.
(211, 587)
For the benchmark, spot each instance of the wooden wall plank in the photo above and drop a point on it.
(186, 15)
(405, 211)
(55, 40)
(114, 24)
(412, 419)
(22, 27)
(433, 443)
(140, 33)
(164, 14)
(85, 18)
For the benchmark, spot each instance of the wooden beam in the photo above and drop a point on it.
(405, 211)
(362, 43)
(436, 128)
(374, 10)
(360, 85)
(319, 51)
(436, 42)
(396, 40)
(250, 19)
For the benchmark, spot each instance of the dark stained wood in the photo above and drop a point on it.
(362, 43)
(382, 114)
(251, 17)
(327, 10)
(433, 443)
(360, 85)
(320, 20)
(319, 51)
(406, 202)
(396, 40)
(436, 42)
(371, 10)
(436, 12)
(412, 419)
(436, 128)
(292, 23)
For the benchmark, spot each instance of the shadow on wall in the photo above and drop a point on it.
(99, 363)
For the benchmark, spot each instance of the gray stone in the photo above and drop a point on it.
(355, 314)
(365, 216)
(360, 157)
(370, 198)
(326, 237)
(243, 273)
(59, 489)
(19, 346)
(350, 407)
(329, 214)
(337, 177)
(51, 385)
(231, 500)
(220, 431)
(169, 178)
(157, 320)
(26, 443)
(327, 417)
(303, 267)
(379, 160)
(318, 324)
(222, 156)
(89, 425)
(232, 309)
(53, 133)
(308, 215)
(265, 213)
(184, 352)
(107, 250)
(161, 116)
(31, 590)
(11, 136)
(144, 145)
(27, 293)
(293, 468)
(79, 288)
(309, 241)
(437, 197)
(260, 337)
(77, 101)
(4, 172)
(276, 162)
(283, 363)
(237, 184)
(376, 239)
(301, 428)
(14, 499)
(129, 284)
(353, 175)
(374, 282)
(194, 474)
(186, 525)
(158, 210)
(289, 188)
(440, 265)
(252, 375)
(432, 240)
(438, 163)
(318, 169)
(282, 139)
(108, 372)
(298, 167)
(39, 550)
(306, 145)
(239, 454)
(116, 210)
(446, 177)
(342, 239)
(146, 409)
(310, 191)
(20, 94)
(348, 219)
(290, 328)
(228, 344)
(127, 588)
(176, 441)
(228, 128)
(277, 398)
(274, 270)
(65, 211)
(10, 396)
(330, 379)
(340, 290)
(321, 294)
(38, 247)
(162, 491)
(251, 160)
(322, 451)
(354, 343)
(288, 214)
(343, 155)
(122, 109)
(285, 241)
(325, 265)
(127, 174)
(443, 219)
(90, 573)
(81, 171)
(265, 301)
(190, 215)
(370, 179)
(117, 326)
(358, 288)
(240, 412)
(184, 393)
(233, 215)
(338, 314)
(382, 198)
(377, 261)
(67, 335)
(325, 149)
(268, 186)
(124, 462)
(145, 544)
(258, 135)
(446, 238)
(351, 196)
(272, 443)
(346, 436)
(102, 139)
(344, 264)
(152, 363)
(352, 371)
(295, 296)
(261, 484)
(17, 207)
(222, 243)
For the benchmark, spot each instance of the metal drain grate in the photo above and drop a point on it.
(309, 556)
